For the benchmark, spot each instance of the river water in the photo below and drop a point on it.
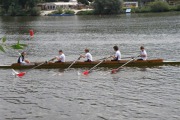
(132, 94)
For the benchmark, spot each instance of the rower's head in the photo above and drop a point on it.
(23, 53)
(116, 48)
(60, 52)
(141, 48)
(86, 50)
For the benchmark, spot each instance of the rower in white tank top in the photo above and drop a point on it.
(117, 55)
(88, 56)
(61, 57)
(143, 54)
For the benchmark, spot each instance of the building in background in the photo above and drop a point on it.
(54, 5)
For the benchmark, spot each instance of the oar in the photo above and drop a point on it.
(73, 63)
(117, 69)
(88, 71)
(21, 74)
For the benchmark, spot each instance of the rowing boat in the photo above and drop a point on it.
(135, 63)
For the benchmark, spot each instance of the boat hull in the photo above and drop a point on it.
(111, 64)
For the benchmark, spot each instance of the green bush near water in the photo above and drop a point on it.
(87, 12)
(178, 7)
(67, 11)
(141, 10)
(107, 7)
(58, 11)
(34, 11)
(159, 6)
(61, 11)
(156, 6)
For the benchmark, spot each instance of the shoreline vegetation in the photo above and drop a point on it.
(99, 8)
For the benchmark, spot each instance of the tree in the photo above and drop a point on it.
(5, 4)
(107, 6)
(18, 7)
(83, 2)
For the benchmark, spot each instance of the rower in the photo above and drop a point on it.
(61, 57)
(143, 54)
(87, 55)
(117, 56)
(22, 59)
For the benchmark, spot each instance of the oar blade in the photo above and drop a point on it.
(21, 74)
(86, 72)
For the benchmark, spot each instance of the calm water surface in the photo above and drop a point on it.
(133, 94)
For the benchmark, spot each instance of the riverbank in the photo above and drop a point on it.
(46, 12)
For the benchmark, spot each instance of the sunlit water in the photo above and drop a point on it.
(133, 93)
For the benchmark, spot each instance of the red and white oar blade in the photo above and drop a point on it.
(21, 74)
(86, 72)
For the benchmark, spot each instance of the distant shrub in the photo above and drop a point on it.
(35, 11)
(107, 6)
(87, 12)
(15, 10)
(67, 11)
(159, 6)
(178, 7)
(58, 11)
(141, 10)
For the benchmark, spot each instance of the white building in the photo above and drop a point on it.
(55, 5)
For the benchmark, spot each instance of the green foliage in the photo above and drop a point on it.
(14, 10)
(58, 11)
(159, 6)
(107, 6)
(2, 49)
(34, 11)
(18, 45)
(87, 12)
(84, 2)
(178, 7)
(67, 11)
(145, 9)
(3, 39)
(18, 7)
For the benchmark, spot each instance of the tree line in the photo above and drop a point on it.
(29, 7)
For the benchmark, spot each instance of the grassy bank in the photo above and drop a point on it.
(157, 6)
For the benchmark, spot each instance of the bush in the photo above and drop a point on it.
(159, 6)
(141, 10)
(35, 11)
(58, 11)
(178, 8)
(107, 6)
(14, 10)
(69, 11)
(87, 12)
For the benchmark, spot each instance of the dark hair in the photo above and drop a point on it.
(116, 48)
(141, 47)
(23, 53)
(60, 51)
(87, 50)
